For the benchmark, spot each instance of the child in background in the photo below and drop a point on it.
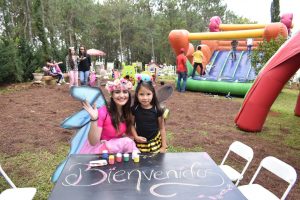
(92, 78)
(198, 57)
(234, 45)
(249, 43)
(148, 127)
(116, 74)
(55, 71)
(113, 74)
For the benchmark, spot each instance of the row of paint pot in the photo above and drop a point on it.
(119, 157)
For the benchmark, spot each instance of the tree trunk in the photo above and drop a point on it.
(7, 19)
(70, 39)
(121, 47)
(43, 13)
(28, 22)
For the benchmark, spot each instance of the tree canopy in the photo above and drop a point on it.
(34, 30)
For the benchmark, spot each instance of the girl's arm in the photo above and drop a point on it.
(137, 138)
(95, 131)
(162, 130)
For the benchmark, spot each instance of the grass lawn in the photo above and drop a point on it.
(34, 169)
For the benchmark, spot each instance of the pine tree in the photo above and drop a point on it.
(275, 11)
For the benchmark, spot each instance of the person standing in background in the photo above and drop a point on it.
(198, 56)
(249, 43)
(181, 70)
(234, 45)
(72, 66)
(84, 66)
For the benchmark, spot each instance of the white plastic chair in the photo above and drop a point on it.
(277, 167)
(243, 151)
(15, 193)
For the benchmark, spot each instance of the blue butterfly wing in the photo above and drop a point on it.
(79, 120)
(58, 171)
(79, 139)
(85, 93)
(76, 120)
(100, 101)
(77, 143)
(82, 117)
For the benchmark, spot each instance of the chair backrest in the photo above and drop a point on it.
(240, 149)
(280, 169)
(7, 178)
(243, 151)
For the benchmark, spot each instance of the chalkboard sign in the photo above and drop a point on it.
(173, 176)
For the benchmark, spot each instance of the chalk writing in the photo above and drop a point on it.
(152, 189)
(180, 177)
(75, 179)
(217, 196)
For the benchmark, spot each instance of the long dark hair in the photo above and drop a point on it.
(116, 118)
(70, 59)
(146, 84)
(84, 53)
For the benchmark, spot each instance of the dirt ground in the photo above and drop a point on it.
(33, 113)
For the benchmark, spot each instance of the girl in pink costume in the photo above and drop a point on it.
(110, 125)
(92, 78)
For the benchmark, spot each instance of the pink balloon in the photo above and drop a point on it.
(287, 20)
(214, 24)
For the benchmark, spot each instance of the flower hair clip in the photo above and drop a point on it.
(118, 84)
(140, 81)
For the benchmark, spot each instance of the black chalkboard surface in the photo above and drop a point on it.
(173, 176)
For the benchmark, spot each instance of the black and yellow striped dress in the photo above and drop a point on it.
(146, 123)
(152, 146)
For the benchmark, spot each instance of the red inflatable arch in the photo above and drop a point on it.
(268, 84)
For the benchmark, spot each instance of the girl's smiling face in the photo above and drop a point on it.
(145, 97)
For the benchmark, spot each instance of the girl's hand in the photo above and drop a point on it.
(140, 139)
(91, 110)
(163, 149)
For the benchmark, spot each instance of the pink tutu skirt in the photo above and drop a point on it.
(116, 145)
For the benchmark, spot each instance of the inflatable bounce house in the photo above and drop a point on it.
(225, 74)
(269, 82)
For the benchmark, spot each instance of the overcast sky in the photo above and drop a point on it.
(259, 10)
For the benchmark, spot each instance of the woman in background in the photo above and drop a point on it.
(84, 66)
(72, 66)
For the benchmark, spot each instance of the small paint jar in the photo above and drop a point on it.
(126, 157)
(136, 159)
(134, 153)
(111, 159)
(104, 154)
(119, 157)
